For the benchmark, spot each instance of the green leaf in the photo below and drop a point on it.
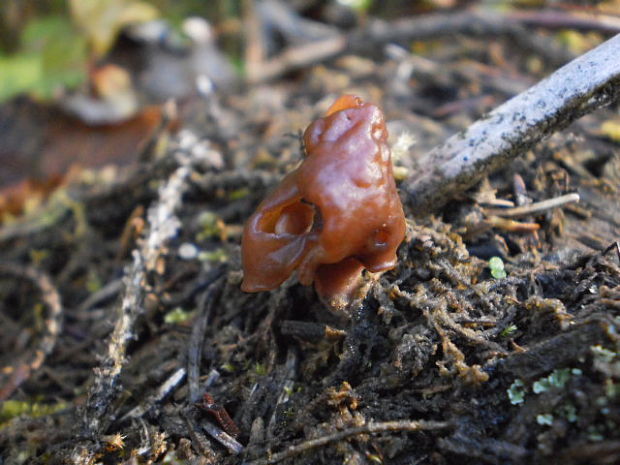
(358, 5)
(508, 331)
(20, 73)
(53, 55)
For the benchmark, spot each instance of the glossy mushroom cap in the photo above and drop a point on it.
(335, 215)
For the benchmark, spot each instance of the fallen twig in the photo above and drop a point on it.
(225, 439)
(430, 26)
(493, 221)
(51, 327)
(583, 85)
(162, 392)
(285, 384)
(199, 441)
(535, 207)
(370, 428)
(162, 226)
(552, 19)
(616, 246)
(194, 351)
(107, 292)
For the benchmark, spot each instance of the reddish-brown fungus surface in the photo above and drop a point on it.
(336, 214)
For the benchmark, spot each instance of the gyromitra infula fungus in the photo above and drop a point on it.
(335, 215)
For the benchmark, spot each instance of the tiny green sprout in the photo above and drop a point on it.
(288, 390)
(93, 281)
(239, 194)
(210, 226)
(496, 265)
(177, 316)
(357, 5)
(215, 256)
(544, 419)
(516, 392)
(602, 354)
(260, 369)
(508, 331)
(228, 367)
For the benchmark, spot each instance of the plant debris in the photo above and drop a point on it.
(492, 341)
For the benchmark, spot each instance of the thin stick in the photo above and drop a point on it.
(107, 292)
(194, 351)
(162, 392)
(199, 441)
(535, 207)
(425, 27)
(225, 439)
(162, 226)
(370, 428)
(493, 221)
(51, 328)
(583, 85)
(616, 246)
(605, 24)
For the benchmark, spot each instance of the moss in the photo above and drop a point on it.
(13, 408)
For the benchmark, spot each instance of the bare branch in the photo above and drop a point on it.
(583, 85)
(430, 26)
(162, 226)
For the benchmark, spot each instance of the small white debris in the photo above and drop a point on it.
(188, 251)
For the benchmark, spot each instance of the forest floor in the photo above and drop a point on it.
(120, 304)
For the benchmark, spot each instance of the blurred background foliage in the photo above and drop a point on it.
(48, 45)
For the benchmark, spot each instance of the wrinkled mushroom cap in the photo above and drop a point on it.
(336, 214)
